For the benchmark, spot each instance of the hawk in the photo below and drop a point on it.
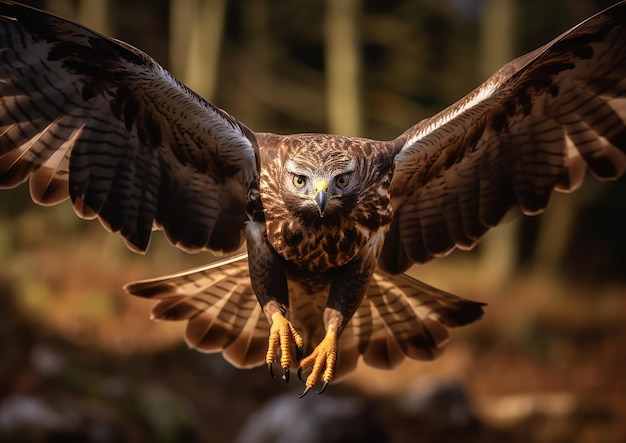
(330, 223)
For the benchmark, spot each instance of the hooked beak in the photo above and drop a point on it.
(321, 196)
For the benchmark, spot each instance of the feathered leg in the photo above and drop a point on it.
(269, 282)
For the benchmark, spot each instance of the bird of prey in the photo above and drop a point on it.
(330, 222)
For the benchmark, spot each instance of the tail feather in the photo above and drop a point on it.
(399, 318)
(221, 309)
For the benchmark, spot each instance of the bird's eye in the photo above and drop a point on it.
(342, 181)
(299, 181)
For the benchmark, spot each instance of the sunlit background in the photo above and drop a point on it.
(81, 361)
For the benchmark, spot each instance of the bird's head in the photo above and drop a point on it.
(321, 187)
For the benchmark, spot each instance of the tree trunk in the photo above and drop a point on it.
(343, 67)
(499, 251)
(62, 8)
(95, 15)
(196, 29)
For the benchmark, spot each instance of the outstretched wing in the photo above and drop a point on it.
(93, 119)
(534, 126)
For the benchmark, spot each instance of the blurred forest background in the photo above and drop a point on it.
(81, 361)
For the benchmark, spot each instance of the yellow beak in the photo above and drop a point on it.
(320, 186)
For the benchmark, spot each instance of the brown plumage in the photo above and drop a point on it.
(330, 222)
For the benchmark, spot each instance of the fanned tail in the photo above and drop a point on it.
(399, 318)
(220, 306)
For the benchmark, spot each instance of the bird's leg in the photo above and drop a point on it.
(346, 293)
(269, 283)
(324, 356)
(282, 334)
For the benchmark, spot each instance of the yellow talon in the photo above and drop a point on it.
(323, 359)
(282, 333)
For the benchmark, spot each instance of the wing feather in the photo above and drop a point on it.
(90, 118)
(534, 126)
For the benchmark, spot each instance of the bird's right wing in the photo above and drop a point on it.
(93, 119)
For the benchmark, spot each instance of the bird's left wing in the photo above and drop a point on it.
(93, 119)
(534, 126)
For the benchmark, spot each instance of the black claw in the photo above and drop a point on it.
(299, 352)
(306, 390)
(324, 386)
(300, 374)
(286, 375)
(269, 367)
